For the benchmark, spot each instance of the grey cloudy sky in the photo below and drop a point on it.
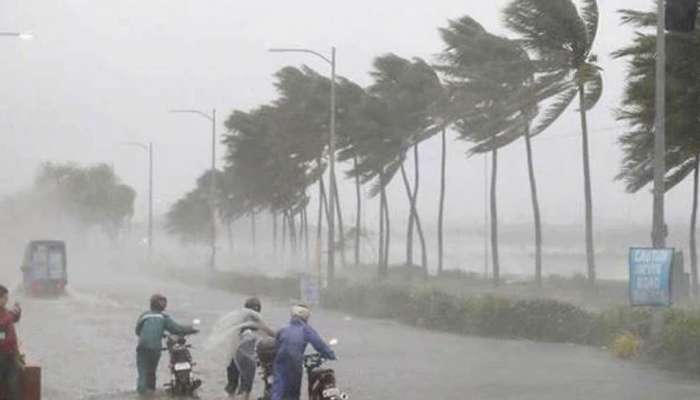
(101, 72)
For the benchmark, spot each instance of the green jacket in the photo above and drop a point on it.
(151, 326)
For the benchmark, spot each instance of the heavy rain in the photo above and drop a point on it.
(281, 200)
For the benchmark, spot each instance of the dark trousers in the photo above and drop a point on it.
(147, 365)
(9, 375)
(232, 375)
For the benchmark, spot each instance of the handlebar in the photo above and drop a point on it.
(314, 360)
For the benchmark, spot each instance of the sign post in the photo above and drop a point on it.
(310, 290)
(650, 273)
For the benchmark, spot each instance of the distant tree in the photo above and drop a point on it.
(91, 196)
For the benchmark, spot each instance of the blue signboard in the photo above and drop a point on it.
(650, 276)
(310, 292)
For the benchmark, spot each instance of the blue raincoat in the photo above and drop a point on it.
(289, 368)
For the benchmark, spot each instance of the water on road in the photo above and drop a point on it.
(85, 344)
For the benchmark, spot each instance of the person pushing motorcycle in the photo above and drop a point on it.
(239, 332)
(291, 344)
(150, 328)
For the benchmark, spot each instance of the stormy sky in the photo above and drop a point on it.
(100, 73)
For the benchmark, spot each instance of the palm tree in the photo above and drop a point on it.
(489, 78)
(349, 97)
(409, 89)
(561, 38)
(683, 113)
(441, 207)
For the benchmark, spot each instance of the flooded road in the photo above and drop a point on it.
(85, 345)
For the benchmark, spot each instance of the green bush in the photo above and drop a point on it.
(678, 345)
(608, 324)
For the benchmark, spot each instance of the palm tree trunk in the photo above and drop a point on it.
(274, 233)
(441, 210)
(331, 272)
(229, 234)
(292, 234)
(590, 251)
(380, 255)
(384, 237)
(325, 201)
(319, 232)
(253, 229)
(693, 225)
(494, 219)
(307, 253)
(409, 231)
(416, 187)
(413, 199)
(358, 216)
(414, 214)
(285, 216)
(387, 232)
(535, 209)
(341, 229)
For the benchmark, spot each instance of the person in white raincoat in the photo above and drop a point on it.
(238, 333)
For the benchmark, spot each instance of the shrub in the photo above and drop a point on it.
(626, 345)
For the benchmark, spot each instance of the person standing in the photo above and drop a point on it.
(150, 328)
(9, 348)
(291, 345)
(239, 331)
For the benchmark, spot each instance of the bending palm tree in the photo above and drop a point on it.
(561, 36)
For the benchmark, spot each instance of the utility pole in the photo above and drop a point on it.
(331, 157)
(148, 148)
(212, 181)
(659, 226)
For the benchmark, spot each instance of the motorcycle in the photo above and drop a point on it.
(266, 351)
(321, 381)
(182, 378)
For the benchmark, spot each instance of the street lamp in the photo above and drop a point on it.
(149, 149)
(20, 35)
(331, 148)
(212, 184)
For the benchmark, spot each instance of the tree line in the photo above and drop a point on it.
(491, 90)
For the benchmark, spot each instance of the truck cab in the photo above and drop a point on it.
(44, 268)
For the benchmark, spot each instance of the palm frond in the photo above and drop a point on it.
(593, 90)
(555, 110)
(590, 16)
(638, 19)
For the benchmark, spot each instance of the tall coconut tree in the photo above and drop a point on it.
(409, 89)
(561, 37)
(493, 96)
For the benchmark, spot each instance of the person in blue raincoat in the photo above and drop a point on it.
(289, 362)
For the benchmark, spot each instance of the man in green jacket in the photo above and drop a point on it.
(150, 328)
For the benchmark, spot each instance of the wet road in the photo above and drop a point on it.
(85, 344)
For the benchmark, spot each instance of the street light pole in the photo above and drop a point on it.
(148, 149)
(212, 180)
(659, 225)
(331, 157)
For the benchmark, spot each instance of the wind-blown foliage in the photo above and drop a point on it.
(560, 37)
(90, 196)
